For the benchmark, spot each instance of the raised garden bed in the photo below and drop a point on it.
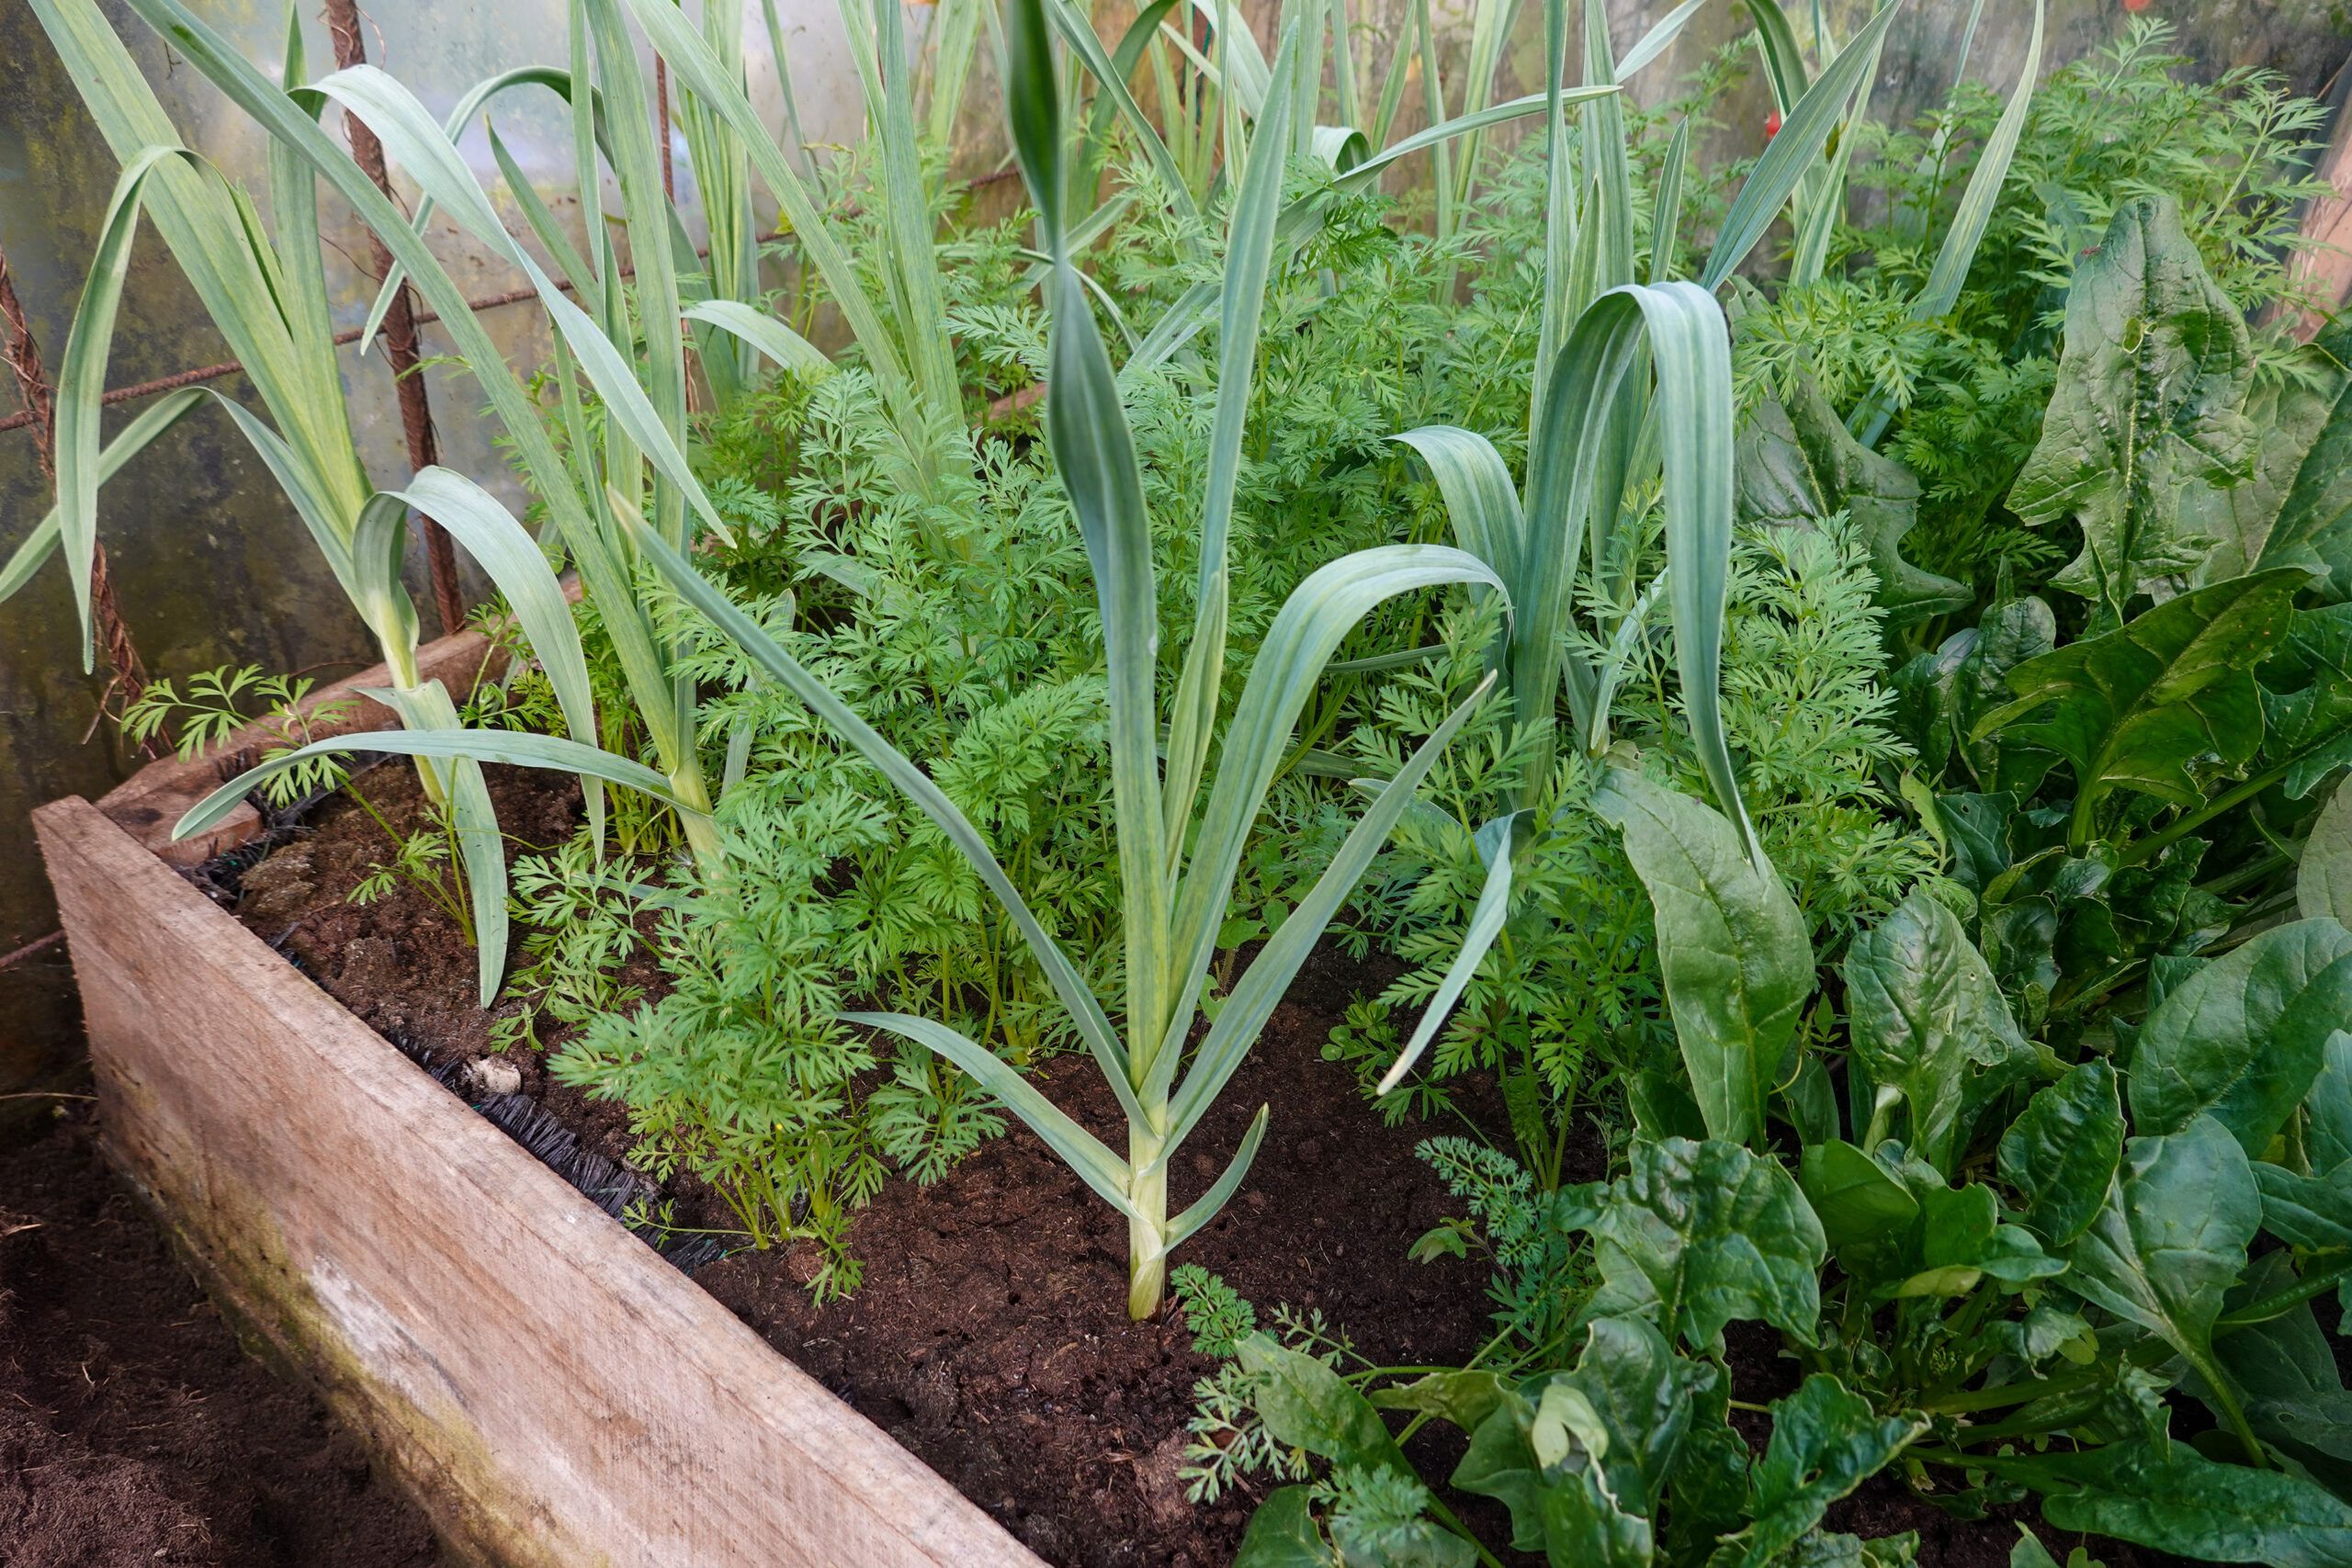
(553, 1390)
(549, 1388)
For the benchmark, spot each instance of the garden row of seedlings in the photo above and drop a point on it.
(1846, 712)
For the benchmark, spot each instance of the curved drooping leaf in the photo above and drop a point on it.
(2133, 707)
(1695, 1235)
(82, 377)
(787, 348)
(2147, 409)
(2183, 1502)
(1799, 465)
(1929, 1020)
(2171, 1239)
(426, 709)
(2063, 1152)
(1495, 841)
(2242, 1038)
(1826, 1441)
(1730, 945)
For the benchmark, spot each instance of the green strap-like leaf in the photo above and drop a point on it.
(788, 673)
(513, 748)
(136, 437)
(787, 348)
(1291, 658)
(82, 379)
(1084, 1152)
(1802, 134)
(426, 709)
(1486, 916)
(1263, 984)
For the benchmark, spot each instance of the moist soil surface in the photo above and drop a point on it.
(134, 1432)
(990, 1334)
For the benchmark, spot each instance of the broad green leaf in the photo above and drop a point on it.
(1826, 1441)
(2307, 698)
(2188, 1505)
(1282, 1534)
(1731, 946)
(1798, 465)
(2146, 413)
(1631, 1378)
(1855, 1199)
(2172, 1237)
(2284, 1367)
(2327, 1126)
(1961, 1241)
(1929, 1020)
(1698, 1234)
(2243, 1037)
(1306, 1404)
(2062, 1153)
(1832, 1549)
(2323, 875)
(2304, 424)
(2310, 1212)
(2133, 707)
(1540, 1454)
(1464, 1398)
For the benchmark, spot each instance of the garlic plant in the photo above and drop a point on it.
(1634, 386)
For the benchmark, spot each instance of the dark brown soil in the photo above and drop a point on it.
(992, 1337)
(134, 1433)
(989, 1336)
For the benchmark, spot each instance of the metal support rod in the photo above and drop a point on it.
(23, 354)
(399, 327)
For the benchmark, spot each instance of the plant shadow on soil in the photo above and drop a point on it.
(989, 1336)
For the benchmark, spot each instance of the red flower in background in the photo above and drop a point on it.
(1772, 120)
(2136, 5)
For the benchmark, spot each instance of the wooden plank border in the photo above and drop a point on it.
(553, 1393)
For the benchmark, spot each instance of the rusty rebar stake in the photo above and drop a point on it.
(399, 327)
(23, 354)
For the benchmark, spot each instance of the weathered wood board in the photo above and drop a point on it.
(552, 1392)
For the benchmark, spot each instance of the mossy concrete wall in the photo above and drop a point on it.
(211, 567)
